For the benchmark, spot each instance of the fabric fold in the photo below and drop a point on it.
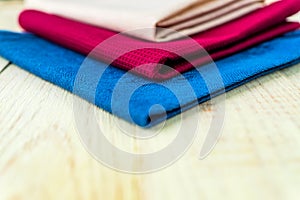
(61, 66)
(258, 26)
(186, 16)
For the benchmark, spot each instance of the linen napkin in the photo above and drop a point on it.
(259, 26)
(60, 66)
(186, 16)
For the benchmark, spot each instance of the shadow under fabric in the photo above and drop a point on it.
(60, 67)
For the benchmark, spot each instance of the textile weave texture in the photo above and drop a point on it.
(252, 29)
(60, 66)
(186, 16)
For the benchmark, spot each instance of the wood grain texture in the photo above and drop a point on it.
(257, 157)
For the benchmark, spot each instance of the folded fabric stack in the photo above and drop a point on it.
(220, 41)
(186, 16)
(221, 27)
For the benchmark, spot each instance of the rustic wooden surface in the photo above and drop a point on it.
(41, 157)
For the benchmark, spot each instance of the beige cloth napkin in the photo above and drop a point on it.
(161, 16)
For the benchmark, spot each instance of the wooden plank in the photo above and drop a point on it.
(257, 156)
(9, 11)
(3, 63)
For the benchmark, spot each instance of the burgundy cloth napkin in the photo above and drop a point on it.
(185, 16)
(149, 58)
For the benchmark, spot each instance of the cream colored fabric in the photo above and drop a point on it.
(185, 16)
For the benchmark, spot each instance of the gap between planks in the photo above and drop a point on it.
(4, 64)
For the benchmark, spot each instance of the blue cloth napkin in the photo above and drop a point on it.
(131, 97)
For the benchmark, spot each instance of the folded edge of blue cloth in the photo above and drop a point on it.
(60, 66)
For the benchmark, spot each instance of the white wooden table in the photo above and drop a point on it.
(41, 157)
